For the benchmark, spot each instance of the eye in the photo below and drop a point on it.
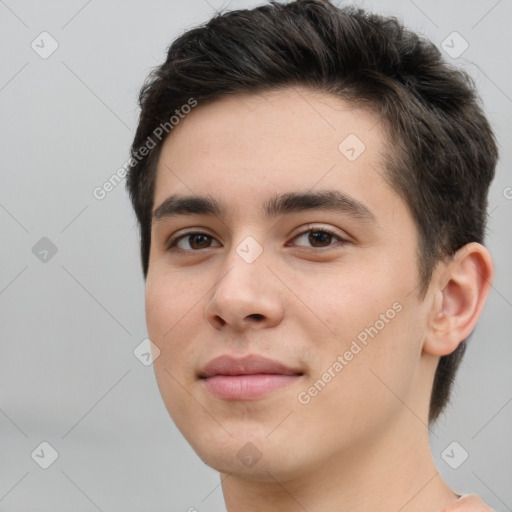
(318, 237)
(192, 241)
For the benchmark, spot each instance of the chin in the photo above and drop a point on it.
(250, 454)
(266, 469)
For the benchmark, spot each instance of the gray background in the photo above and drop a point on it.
(70, 324)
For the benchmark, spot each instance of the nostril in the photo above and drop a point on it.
(257, 316)
(221, 322)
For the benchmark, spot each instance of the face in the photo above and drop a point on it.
(282, 284)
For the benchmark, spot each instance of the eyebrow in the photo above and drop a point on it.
(292, 202)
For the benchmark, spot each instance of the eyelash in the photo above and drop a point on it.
(171, 246)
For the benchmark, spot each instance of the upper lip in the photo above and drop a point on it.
(247, 365)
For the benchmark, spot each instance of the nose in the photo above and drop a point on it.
(246, 296)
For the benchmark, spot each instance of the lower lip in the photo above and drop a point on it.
(246, 387)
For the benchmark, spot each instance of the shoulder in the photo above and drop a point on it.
(468, 503)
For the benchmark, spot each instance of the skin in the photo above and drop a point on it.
(361, 443)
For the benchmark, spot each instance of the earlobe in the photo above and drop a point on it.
(463, 286)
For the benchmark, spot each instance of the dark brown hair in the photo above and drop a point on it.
(442, 152)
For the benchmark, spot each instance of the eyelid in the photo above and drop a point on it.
(312, 226)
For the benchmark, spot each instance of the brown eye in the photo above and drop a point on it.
(192, 242)
(318, 238)
(199, 241)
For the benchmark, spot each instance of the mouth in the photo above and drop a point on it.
(247, 378)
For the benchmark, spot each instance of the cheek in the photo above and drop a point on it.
(374, 383)
(376, 331)
(168, 302)
(173, 315)
(159, 310)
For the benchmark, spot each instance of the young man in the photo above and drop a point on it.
(311, 239)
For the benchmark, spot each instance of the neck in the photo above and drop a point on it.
(394, 473)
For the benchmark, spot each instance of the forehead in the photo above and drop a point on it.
(246, 148)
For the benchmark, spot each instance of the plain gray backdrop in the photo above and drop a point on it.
(71, 286)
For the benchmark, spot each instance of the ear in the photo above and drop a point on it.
(460, 289)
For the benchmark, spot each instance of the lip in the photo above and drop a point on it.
(246, 378)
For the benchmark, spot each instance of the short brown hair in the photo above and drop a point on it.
(443, 154)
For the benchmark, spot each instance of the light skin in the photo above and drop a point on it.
(361, 443)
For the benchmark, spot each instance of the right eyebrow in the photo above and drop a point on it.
(176, 205)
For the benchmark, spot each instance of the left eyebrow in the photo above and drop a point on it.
(292, 202)
(330, 200)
